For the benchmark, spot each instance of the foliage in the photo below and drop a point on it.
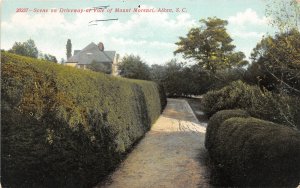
(276, 63)
(158, 73)
(211, 46)
(259, 103)
(47, 57)
(133, 67)
(223, 78)
(285, 14)
(27, 48)
(180, 79)
(250, 152)
(216, 120)
(218, 177)
(69, 48)
(100, 67)
(66, 127)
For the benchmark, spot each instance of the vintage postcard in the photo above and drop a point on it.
(150, 93)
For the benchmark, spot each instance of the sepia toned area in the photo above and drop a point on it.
(168, 155)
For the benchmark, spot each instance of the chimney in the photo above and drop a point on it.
(101, 46)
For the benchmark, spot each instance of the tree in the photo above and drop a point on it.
(173, 79)
(62, 61)
(276, 59)
(276, 62)
(133, 67)
(51, 58)
(27, 48)
(158, 73)
(183, 80)
(180, 79)
(285, 15)
(69, 48)
(47, 57)
(211, 46)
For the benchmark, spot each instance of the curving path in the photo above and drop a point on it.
(169, 154)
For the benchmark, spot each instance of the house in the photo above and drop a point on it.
(94, 56)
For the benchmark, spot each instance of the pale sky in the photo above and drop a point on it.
(149, 35)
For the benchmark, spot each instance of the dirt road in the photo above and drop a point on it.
(169, 154)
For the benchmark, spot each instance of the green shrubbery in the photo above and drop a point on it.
(259, 103)
(216, 120)
(253, 152)
(218, 177)
(65, 127)
(247, 151)
(182, 80)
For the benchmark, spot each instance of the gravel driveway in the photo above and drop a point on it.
(169, 154)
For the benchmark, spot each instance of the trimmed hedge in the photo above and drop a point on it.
(66, 127)
(218, 177)
(214, 123)
(258, 103)
(257, 153)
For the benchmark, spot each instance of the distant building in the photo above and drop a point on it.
(94, 55)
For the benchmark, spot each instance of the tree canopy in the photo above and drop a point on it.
(27, 48)
(285, 15)
(133, 67)
(48, 57)
(69, 49)
(276, 61)
(211, 46)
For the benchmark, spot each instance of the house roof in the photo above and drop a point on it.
(92, 53)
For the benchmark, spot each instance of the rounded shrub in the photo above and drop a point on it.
(218, 178)
(216, 120)
(234, 96)
(66, 127)
(258, 153)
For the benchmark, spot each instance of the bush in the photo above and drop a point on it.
(66, 127)
(257, 153)
(259, 103)
(216, 120)
(218, 177)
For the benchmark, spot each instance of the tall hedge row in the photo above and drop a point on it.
(249, 152)
(258, 103)
(65, 127)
